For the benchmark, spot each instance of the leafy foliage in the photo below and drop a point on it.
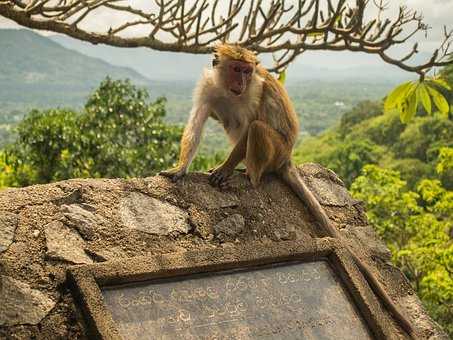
(406, 180)
(119, 134)
(406, 98)
(416, 225)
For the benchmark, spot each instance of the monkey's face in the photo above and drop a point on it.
(239, 74)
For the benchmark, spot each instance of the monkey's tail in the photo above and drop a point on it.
(291, 176)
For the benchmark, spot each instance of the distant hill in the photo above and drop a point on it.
(167, 66)
(35, 70)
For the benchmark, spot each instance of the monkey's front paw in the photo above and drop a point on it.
(219, 177)
(174, 174)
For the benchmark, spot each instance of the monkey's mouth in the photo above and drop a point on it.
(236, 92)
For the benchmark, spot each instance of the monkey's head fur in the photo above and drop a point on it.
(235, 67)
(230, 51)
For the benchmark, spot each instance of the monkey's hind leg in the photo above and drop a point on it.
(266, 151)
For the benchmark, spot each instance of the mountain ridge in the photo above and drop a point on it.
(36, 69)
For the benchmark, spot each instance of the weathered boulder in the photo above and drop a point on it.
(45, 229)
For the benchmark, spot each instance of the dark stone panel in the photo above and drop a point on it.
(283, 301)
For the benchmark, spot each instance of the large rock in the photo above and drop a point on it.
(147, 214)
(77, 221)
(21, 304)
(8, 225)
(65, 244)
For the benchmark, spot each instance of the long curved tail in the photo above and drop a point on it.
(291, 177)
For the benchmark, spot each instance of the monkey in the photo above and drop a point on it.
(262, 125)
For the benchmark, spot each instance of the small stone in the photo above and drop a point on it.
(282, 234)
(152, 216)
(230, 226)
(36, 233)
(8, 225)
(21, 304)
(79, 217)
(65, 244)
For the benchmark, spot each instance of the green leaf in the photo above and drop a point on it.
(409, 108)
(442, 82)
(397, 96)
(423, 95)
(439, 100)
(282, 77)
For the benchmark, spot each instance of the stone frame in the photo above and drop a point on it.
(86, 281)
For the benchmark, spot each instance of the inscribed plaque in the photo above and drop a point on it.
(282, 301)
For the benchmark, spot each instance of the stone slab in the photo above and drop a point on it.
(65, 244)
(280, 301)
(152, 216)
(21, 304)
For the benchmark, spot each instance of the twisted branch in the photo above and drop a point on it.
(265, 26)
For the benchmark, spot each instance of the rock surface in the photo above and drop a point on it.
(21, 304)
(231, 226)
(8, 224)
(50, 227)
(65, 244)
(152, 216)
(81, 218)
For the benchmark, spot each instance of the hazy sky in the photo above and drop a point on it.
(436, 13)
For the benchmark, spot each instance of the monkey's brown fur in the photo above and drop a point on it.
(263, 127)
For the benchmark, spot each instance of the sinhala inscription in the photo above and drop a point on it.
(286, 301)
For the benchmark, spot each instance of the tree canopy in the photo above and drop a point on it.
(118, 134)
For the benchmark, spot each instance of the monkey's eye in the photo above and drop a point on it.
(237, 69)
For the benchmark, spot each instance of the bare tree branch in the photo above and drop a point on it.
(265, 26)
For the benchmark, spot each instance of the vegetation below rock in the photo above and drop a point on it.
(404, 174)
(119, 133)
